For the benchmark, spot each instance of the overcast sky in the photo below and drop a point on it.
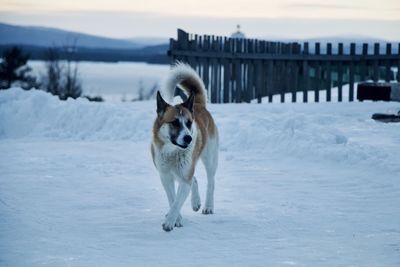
(272, 18)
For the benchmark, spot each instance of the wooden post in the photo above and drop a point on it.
(171, 52)
(364, 66)
(227, 71)
(376, 63)
(351, 72)
(214, 72)
(294, 73)
(328, 74)
(248, 92)
(259, 80)
(306, 75)
(388, 72)
(259, 73)
(317, 73)
(239, 74)
(270, 75)
(206, 70)
(340, 74)
(398, 64)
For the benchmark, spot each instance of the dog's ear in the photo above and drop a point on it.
(189, 103)
(161, 104)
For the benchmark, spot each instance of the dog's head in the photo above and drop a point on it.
(176, 122)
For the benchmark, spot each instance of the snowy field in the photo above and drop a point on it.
(297, 185)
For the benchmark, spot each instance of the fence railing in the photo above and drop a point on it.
(240, 70)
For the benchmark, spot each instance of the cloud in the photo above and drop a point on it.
(323, 6)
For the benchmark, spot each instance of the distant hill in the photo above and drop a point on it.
(36, 40)
(47, 37)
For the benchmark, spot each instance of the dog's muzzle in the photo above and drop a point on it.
(187, 139)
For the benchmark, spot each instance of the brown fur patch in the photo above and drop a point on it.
(204, 123)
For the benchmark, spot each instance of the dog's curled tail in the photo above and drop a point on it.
(187, 79)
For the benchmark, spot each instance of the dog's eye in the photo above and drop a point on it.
(188, 124)
(175, 123)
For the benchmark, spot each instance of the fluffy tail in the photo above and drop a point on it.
(187, 79)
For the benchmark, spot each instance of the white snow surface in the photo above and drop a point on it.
(314, 184)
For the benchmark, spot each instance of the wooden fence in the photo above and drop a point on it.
(240, 70)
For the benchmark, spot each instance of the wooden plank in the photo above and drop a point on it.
(375, 75)
(206, 64)
(248, 73)
(340, 74)
(192, 46)
(285, 57)
(219, 72)
(351, 73)
(183, 39)
(227, 72)
(398, 63)
(214, 72)
(239, 73)
(388, 72)
(269, 80)
(328, 74)
(172, 47)
(295, 84)
(238, 81)
(214, 80)
(317, 68)
(259, 81)
(363, 63)
(293, 73)
(306, 75)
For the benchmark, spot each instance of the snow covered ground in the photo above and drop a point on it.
(297, 185)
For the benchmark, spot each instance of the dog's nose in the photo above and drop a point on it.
(187, 139)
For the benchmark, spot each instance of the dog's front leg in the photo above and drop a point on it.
(168, 183)
(173, 214)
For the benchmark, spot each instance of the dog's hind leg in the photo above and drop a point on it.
(173, 214)
(210, 160)
(168, 183)
(195, 199)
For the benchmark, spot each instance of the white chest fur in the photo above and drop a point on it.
(170, 158)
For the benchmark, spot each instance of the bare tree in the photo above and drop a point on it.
(54, 72)
(73, 85)
(63, 79)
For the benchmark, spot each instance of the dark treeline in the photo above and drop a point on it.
(152, 54)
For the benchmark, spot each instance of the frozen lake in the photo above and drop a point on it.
(113, 81)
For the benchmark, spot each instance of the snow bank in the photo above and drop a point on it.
(320, 131)
(36, 114)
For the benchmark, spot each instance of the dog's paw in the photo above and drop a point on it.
(196, 204)
(196, 207)
(178, 222)
(170, 223)
(207, 210)
(167, 227)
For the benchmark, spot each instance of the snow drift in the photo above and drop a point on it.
(341, 132)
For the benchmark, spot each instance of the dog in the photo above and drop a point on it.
(183, 134)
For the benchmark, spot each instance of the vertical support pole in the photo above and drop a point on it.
(306, 75)
(340, 74)
(375, 76)
(351, 71)
(328, 74)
